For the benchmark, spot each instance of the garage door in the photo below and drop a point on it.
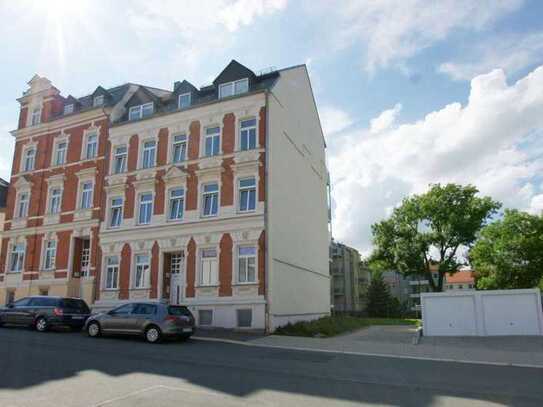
(510, 314)
(449, 316)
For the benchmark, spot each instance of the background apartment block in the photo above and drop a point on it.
(349, 279)
(214, 197)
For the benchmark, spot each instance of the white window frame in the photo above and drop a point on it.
(87, 144)
(175, 143)
(247, 130)
(85, 259)
(21, 254)
(86, 196)
(56, 151)
(189, 94)
(212, 279)
(217, 135)
(50, 196)
(149, 204)
(69, 108)
(203, 196)
(114, 268)
(241, 189)
(110, 212)
(145, 268)
(124, 159)
(140, 111)
(32, 166)
(98, 101)
(246, 280)
(171, 201)
(17, 214)
(35, 116)
(233, 86)
(49, 255)
(144, 150)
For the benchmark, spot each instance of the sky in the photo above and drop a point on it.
(409, 92)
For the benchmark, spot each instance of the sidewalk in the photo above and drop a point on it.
(397, 341)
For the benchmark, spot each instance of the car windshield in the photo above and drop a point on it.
(75, 304)
(179, 311)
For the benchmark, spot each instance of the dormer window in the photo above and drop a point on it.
(184, 100)
(69, 108)
(233, 88)
(140, 111)
(36, 116)
(98, 100)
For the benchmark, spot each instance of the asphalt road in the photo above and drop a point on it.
(70, 369)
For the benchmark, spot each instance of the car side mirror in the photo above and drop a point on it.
(10, 305)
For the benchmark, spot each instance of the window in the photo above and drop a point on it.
(60, 153)
(248, 135)
(98, 100)
(69, 108)
(145, 209)
(149, 150)
(54, 200)
(245, 318)
(86, 195)
(123, 309)
(30, 159)
(212, 141)
(208, 267)
(142, 271)
(112, 273)
(50, 254)
(85, 258)
(247, 194)
(140, 111)
(22, 208)
(36, 116)
(210, 200)
(91, 148)
(179, 148)
(177, 201)
(234, 88)
(121, 154)
(16, 261)
(144, 309)
(116, 212)
(205, 317)
(247, 265)
(184, 100)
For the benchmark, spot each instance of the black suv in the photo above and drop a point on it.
(44, 312)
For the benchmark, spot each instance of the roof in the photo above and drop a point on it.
(460, 277)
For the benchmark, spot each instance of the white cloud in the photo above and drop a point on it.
(385, 120)
(6, 153)
(395, 30)
(536, 205)
(493, 142)
(334, 120)
(511, 53)
(242, 12)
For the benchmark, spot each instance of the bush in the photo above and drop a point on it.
(380, 303)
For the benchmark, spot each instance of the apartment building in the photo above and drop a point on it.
(214, 197)
(349, 279)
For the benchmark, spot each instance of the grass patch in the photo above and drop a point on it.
(335, 325)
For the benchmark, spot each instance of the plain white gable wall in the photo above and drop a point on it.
(297, 212)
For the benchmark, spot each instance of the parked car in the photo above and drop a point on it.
(44, 312)
(153, 321)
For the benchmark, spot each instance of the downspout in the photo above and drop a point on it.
(267, 259)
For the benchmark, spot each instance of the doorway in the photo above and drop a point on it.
(177, 279)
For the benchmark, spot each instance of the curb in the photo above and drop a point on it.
(380, 355)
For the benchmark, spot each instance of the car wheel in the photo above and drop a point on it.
(153, 334)
(41, 324)
(93, 329)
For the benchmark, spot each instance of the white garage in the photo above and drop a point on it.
(482, 313)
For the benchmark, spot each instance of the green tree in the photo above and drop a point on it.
(380, 303)
(430, 229)
(509, 252)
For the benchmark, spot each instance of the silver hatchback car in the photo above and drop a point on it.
(154, 321)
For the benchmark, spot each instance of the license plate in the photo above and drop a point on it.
(77, 317)
(187, 329)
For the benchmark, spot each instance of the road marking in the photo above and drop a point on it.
(126, 396)
(381, 355)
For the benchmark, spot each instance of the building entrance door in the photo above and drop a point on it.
(177, 279)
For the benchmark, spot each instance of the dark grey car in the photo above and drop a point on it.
(153, 321)
(44, 312)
